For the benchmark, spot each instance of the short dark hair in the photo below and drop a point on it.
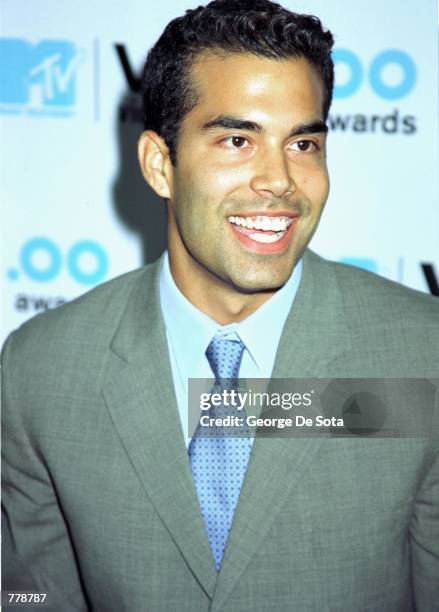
(259, 27)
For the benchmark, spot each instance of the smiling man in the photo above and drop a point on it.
(250, 179)
(111, 500)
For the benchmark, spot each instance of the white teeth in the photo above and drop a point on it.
(262, 222)
(267, 238)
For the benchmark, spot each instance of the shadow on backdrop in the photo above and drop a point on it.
(136, 204)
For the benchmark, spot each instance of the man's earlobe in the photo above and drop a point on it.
(154, 159)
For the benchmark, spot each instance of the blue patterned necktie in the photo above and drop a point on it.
(219, 463)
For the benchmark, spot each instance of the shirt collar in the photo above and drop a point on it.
(191, 330)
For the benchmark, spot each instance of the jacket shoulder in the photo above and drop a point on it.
(392, 329)
(379, 297)
(386, 298)
(92, 317)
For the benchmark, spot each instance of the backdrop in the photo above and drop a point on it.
(76, 211)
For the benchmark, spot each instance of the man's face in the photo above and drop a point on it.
(251, 179)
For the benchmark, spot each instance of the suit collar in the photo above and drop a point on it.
(316, 330)
(141, 319)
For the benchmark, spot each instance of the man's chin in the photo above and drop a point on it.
(250, 285)
(265, 278)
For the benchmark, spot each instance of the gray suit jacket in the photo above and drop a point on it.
(100, 510)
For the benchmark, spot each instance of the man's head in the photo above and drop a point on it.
(258, 27)
(236, 96)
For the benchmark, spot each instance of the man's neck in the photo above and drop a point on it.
(220, 301)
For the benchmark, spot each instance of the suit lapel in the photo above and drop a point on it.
(139, 393)
(314, 334)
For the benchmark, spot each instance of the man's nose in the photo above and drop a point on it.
(272, 176)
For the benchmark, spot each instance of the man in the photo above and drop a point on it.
(107, 502)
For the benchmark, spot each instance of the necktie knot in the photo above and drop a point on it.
(224, 356)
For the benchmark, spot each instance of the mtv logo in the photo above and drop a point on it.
(40, 78)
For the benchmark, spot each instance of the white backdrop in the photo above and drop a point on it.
(75, 211)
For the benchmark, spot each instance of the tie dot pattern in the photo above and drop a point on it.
(224, 357)
(219, 463)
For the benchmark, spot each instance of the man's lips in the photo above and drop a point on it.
(264, 232)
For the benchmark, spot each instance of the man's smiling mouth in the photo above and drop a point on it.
(262, 228)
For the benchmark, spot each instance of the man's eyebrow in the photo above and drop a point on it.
(234, 123)
(315, 127)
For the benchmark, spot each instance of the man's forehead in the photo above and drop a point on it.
(224, 82)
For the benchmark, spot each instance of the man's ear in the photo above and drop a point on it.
(155, 163)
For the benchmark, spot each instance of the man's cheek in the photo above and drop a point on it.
(222, 180)
(316, 191)
(315, 176)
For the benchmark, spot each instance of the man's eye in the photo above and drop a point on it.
(236, 142)
(305, 146)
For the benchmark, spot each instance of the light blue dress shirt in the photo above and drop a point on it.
(189, 332)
